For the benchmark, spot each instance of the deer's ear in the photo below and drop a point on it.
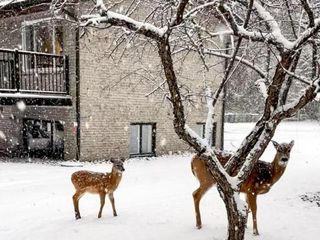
(291, 143)
(275, 144)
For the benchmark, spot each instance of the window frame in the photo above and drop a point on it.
(53, 150)
(153, 139)
(34, 24)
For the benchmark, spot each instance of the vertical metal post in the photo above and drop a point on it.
(66, 73)
(16, 81)
(140, 138)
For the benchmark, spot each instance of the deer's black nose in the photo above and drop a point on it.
(284, 159)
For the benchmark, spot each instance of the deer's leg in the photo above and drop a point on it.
(112, 203)
(102, 201)
(252, 202)
(76, 197)
(197, 195)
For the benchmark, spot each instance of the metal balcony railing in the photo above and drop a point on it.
(33, 73)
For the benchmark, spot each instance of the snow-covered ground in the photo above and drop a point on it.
(154, 200)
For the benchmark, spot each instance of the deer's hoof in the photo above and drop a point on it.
(78, 216)
(255, 232)
(199, 226)
(115, 214)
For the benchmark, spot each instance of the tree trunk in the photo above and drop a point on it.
(237, 214)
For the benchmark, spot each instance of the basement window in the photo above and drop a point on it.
(142, 139)
(43, 138)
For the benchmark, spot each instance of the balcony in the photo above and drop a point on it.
(35, 78)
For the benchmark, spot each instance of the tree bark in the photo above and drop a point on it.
(237, 218)
(237, 221)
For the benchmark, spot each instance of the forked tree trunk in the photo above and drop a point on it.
(237, 218)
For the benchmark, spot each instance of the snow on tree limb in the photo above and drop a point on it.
(210, 116)
(120, 20)
(309, 32)
(196, 9)
(237, 58)
(276, 38)
(261, 83)
(301, 79)
(290, 109)
(255, 153)
(202, 142)
(5, 3)
(274, 26)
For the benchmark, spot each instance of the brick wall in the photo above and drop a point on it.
(113, 95)
(11, 120)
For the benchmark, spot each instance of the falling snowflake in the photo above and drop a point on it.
(2, 136)
(163, 142)
(21, 106)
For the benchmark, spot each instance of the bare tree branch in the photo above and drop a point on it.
(307, 8)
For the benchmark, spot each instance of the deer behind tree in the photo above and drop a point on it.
(97, 183)
(263, 176)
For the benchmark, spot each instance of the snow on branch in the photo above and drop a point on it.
(5, 3)
(196, 9)
(261, 83)
(309, 32)
(257, 150)
(301, 79)
(237, 58)
(120, 20)
(202, 142)
(210, 116)
(290, 109)
(276, 38)
(317, 85)
(272, 23)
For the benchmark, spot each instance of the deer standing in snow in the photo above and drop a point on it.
(260, 180)
(97, 183)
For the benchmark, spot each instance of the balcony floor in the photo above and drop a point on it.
(35, 99)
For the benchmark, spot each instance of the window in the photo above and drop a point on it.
(43, 38)
(38, 129)
(43, 138)
(142, 139)
(201, 129)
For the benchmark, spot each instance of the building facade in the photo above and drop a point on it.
(99, 100)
